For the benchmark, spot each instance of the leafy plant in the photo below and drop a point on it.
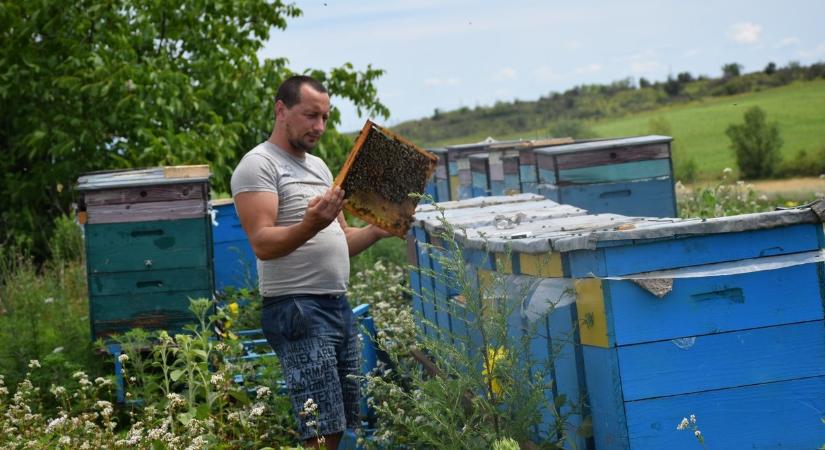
(756, 144)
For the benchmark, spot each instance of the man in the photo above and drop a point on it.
(292, 217)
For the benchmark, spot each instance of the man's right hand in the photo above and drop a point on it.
(323, 209)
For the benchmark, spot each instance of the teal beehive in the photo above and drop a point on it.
(148, 242)
(630, 176)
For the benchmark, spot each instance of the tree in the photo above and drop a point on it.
(756, 144)
(95, 84)
(684, 77)
(731, 70)
(644, 83)
(770, 69)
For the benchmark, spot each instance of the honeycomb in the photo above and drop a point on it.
(382, 169)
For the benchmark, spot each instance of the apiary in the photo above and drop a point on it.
(234, 261)
(510, 171)
(629, 176)
(148, 242)
(479, 173)
(379, 174)
(721, 318)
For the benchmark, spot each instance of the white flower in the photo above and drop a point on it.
(683, 424)
(217, 379)
(57, 350)
(175, 400)
(263, 392)
(692, 418)
(727, 170)
(257, 410)
(697, 433)
(34, 364)
(123, 357)
(311, 423)
(48, 300)
(65, 440)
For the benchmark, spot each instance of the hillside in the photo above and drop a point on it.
(697, 111)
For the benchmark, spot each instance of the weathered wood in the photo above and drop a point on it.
(132, 212)
(112, 314)
(650, 198)
(612, 156)
(125, 283)
(614, 173)
(145, 194)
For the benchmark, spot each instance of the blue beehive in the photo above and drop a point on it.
(441, 178)
(630, 176)
(721, 318)
(235, 263)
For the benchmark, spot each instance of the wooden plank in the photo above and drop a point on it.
(154, 245)
(149, 281)
(480, 185)
(235, 265)
(544, 266)
(613, 156)
(786, 414)
(158, 311)
(426, 280)
(594, 326)
(646, 198)
(614, 173)
(195, 171)
(698, 306)
(120, 213)
(442, 290)
(607, 406)
(723, 360)
(629, 257)
(145, 194)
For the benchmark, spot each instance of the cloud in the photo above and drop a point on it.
(787, 42)
(816, 52)
(745, 32)
(546, 74)
(646, 67)
(505, 74)
(439, 82)
(590, 68)
(691, 53)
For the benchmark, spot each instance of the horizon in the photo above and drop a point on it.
(458, 54)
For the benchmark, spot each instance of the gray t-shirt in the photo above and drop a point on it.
(321, 265)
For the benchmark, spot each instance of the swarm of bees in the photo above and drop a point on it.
(381, 171)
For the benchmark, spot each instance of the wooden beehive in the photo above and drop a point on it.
(148, 242)
(235, 262)
(629, 176)
(721, 318)
(382, 169)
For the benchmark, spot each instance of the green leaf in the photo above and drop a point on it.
(176, 374)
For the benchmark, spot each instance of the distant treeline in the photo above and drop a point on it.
(556, 111)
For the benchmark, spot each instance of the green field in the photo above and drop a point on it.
(699, 127)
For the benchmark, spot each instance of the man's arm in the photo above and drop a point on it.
(258, 212)
(359, 239)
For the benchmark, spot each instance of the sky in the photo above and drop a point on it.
(453, 53)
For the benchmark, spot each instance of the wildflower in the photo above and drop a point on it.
(175, 400)
(217, 379)
(727, 171)
(58, 391)
(257, 410)
(698, 434)
(48, 300)
(791, 204)
(263, 392)
(233, 308)
(762, 198)
(692, 419)
(57, 350)
(65, 440)
(123, 357)
(684, 424)
(100, 381)
(309, 406)
(34, 364)
(311, 423)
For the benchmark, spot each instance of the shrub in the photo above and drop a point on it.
(756, 144)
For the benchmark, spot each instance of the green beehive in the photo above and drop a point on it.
(148, 245)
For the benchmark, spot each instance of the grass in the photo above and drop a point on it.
(699, 127)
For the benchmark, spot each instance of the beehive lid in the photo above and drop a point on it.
(604, 144)
(502, 215)
(143, 177)
(599, 230)
(382, 169)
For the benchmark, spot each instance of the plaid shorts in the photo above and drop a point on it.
(317, 343)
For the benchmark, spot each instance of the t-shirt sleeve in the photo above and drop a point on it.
(254, 174)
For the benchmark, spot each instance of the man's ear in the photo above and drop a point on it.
(280, 108)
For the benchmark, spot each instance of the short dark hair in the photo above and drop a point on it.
(290, 90)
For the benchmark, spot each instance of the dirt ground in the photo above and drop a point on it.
(792, 187)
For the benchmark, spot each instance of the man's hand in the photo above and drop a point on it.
(323, 209)
(380, 233)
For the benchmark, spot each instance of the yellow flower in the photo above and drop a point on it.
(791, 204)
(233, 308)
(493, 357)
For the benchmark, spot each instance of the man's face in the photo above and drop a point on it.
(306, 121)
